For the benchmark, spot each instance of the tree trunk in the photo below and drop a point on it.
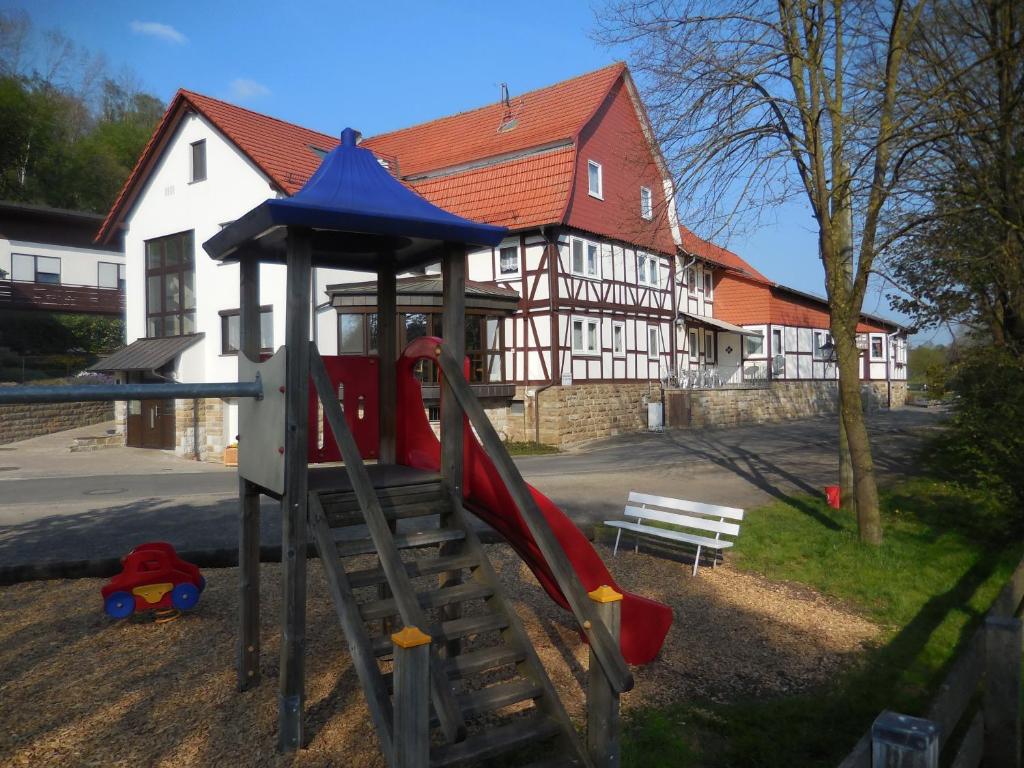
(849, 501)
(869, 522)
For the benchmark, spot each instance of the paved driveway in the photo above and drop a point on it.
(56, 505)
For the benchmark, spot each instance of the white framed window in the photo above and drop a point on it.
(817, 348)
(691, 281)
(508, 260)
(646, 204)
(778, 347)
(877, 346)
(197, 171)
(586, 336)
(585, 258)
(709, 347)
(595, 184)
(35, 269)
(647, 270)
(753, 346)
(618, 339)
(694, 343)
(709, 285)
(110, 275)
(653, 342)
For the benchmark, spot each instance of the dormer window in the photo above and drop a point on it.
(595, 185)
(646, 204)
(198, 161)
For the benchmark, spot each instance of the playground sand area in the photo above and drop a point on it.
(79, 689)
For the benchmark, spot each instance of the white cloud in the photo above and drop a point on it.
(243, 89)
(155, 29)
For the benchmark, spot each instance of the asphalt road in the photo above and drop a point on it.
(70, 506)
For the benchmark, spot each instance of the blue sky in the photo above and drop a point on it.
(379, 66)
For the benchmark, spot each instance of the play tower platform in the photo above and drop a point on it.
(449, 674)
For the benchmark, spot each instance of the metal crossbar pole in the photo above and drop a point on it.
(77, 393)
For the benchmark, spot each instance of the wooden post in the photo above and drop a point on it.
(387, 351)
(387, 348)
(603, 729)
(1001, 702)
(294, 502)
(901, 741)
(248, 494)
(453, 331)
(412, 698)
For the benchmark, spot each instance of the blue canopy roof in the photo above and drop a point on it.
(356, 210)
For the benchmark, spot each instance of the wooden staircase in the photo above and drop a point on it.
(490, 700)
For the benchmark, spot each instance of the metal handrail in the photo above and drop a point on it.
(80, 393)
(448, 712)
(605, 648)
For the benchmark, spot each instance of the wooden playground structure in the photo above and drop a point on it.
(438, 631)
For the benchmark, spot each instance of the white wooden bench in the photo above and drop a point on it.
(663, 509)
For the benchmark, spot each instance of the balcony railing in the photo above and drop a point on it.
(61, 298)
(752, 376)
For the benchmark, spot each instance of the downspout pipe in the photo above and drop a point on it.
(546, 234)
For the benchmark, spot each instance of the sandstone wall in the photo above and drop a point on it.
(581, 412)
(20, 422)
(208, 424)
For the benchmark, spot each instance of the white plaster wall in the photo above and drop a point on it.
(78, 266)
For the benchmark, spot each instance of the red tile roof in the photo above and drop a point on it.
(705, 249)
(540, 185)
(541, 117)
(518, 194)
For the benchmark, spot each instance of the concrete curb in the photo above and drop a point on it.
(104, 568)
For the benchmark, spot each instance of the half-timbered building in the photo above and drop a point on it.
(594, 295)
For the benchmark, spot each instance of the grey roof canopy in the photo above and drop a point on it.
(423, 290)
(146, 354)
(354, 210)
(718, 325)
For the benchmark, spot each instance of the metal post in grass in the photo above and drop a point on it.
(901, 741)
(412, 698)
(1003, 636)
(603, 728)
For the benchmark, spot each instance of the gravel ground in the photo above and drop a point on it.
(77, 689)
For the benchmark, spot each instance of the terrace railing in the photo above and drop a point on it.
(62, 298)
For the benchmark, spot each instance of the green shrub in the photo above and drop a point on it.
(983, 447)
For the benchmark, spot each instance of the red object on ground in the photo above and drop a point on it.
(644, 622)
(832, 494)
(153, 577)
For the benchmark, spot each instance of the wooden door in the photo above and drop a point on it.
(157, 424)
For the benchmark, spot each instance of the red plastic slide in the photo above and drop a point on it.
(644, 622)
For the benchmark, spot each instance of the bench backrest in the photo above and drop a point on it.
(695, 514)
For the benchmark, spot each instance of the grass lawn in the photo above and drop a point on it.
(941, 565)
(529, 448)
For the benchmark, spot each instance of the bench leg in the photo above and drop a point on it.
(617, 537)
(696, 560)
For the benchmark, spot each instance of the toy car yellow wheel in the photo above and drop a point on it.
(120, 605)
(185, 596)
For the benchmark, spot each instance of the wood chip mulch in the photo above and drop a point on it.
(79, 689)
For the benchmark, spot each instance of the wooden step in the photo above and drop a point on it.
(556, 762)
(381, 609)
(495, 741)
(352, 547)
(426, 566)
(494, 697)
(450, 630)
(342, 508)
(474, 662)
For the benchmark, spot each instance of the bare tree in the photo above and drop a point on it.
(757, 102)
(966, 263)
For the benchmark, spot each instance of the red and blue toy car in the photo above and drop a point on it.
(153, 578)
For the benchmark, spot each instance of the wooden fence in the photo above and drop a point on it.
(988, 672)
(61, 297)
